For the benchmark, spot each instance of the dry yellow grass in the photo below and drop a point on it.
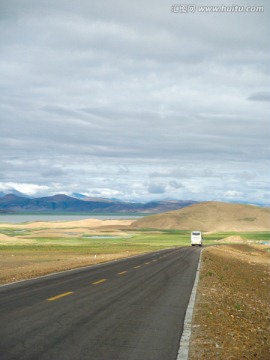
(21, 265)
(18, 264)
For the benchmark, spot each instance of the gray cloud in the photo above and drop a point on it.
(156, 189)
(54, 172)
(175, 184)
(260, 96)
(112, 95)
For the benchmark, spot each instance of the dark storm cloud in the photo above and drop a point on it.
(135, 88)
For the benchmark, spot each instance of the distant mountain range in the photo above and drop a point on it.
(14, 192)
(12, 203)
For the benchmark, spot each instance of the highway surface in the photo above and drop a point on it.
(132, 309)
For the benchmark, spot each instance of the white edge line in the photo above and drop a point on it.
(185, 337)
(88, 266)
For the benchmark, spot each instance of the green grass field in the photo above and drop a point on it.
(142, 241)
(31, 253)
(256, 236)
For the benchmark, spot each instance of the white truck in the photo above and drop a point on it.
(196, 238)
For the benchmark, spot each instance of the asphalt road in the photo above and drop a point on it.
(132, 309)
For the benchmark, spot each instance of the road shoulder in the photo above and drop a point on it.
(231, 317)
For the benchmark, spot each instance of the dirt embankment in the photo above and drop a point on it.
(232, 312)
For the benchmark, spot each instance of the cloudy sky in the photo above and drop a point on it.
(135, 101)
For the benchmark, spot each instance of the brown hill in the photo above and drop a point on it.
(210, 216)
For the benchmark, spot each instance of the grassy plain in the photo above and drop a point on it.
(253, 236)
(27, 252)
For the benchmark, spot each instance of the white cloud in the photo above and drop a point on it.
(28, 189)
(232, 194)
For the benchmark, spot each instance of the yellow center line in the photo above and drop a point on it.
(121, 273)
(137, 267)
(146, 263)
(60, 296)
(99, 281)
(155, 260)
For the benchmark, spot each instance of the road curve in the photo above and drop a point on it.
(131, 309)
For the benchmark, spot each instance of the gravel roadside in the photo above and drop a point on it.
(232, 313)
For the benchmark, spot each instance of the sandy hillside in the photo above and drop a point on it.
(86, 223)
(211, 216)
